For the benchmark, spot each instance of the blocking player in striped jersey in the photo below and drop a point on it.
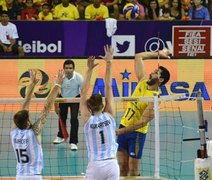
(26, 136)
(99, 125)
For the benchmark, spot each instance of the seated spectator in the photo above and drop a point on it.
(20, 3)
(29, 12)
(14, 10)
(163, 3)
(8, 36)
(166, 15)
(198, 11)
(112, 7)
(66, 11)
(96, 11)
(153, 10)
(3, 6)
(45, 14)
(38, 4)
(81, 5)
(176, 9)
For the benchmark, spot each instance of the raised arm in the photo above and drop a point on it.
(109, 99)
(147, 116)
(39, 124)
(30, 89)
(139, 64)
(85, 87)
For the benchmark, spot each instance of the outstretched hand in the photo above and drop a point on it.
(32, 73)
(59, 77)
(108, 57)
(90, 62)
(164, 53)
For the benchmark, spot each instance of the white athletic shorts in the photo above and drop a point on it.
(35, 177)
(105, 169)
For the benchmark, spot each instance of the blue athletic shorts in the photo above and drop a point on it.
(133, 142)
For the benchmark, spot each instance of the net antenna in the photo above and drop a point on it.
(202, 152)
(158, 48)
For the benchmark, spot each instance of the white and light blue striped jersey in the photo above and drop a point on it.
(100, 137)
(29, 153)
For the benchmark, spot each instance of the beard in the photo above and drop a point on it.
(152, 82)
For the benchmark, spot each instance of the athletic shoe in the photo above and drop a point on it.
(58, 140)
(73, 147)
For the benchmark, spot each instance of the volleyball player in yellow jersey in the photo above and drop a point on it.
(135, 122)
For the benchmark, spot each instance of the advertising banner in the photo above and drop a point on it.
(192, 41)
(80, 39)
(14, 78)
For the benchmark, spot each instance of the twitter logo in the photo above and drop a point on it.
(122, 47)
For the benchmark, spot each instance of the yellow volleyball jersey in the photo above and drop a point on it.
(135, 109)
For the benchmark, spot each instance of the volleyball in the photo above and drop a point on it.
(42, 88)
(131, 11)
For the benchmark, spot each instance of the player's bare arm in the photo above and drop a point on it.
(109, 99)
(139, 64)
(39, 124)
(85, 87)
(147, 116)
(30, 89)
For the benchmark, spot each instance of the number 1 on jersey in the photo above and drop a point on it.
(102, 136)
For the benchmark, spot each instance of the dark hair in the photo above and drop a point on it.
(21, 119)
(67, 62)
(45, 4)
(164, 74)
(95, 103)
(166, 10)
(4, 12)
(157, 10)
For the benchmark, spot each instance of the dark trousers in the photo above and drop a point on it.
(74, 120)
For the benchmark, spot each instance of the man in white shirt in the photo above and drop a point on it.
(8, 36)
(71, 87)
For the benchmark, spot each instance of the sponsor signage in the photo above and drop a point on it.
(123, 45)
(85, 38)
(192, 41)
(124, 78)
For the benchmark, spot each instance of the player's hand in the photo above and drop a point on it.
(164, 53)
(90, 62)
(32, 73)
(57, 111)
(108, 57)
(118, 132)
(59, 77)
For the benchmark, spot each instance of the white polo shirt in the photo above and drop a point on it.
(71, 87)
(10, 30)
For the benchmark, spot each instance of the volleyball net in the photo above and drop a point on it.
(162, 155)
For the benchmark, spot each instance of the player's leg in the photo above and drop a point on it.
(136, 146)
(123, 160)
(111, 171)
(134, 166)
(123, 155)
